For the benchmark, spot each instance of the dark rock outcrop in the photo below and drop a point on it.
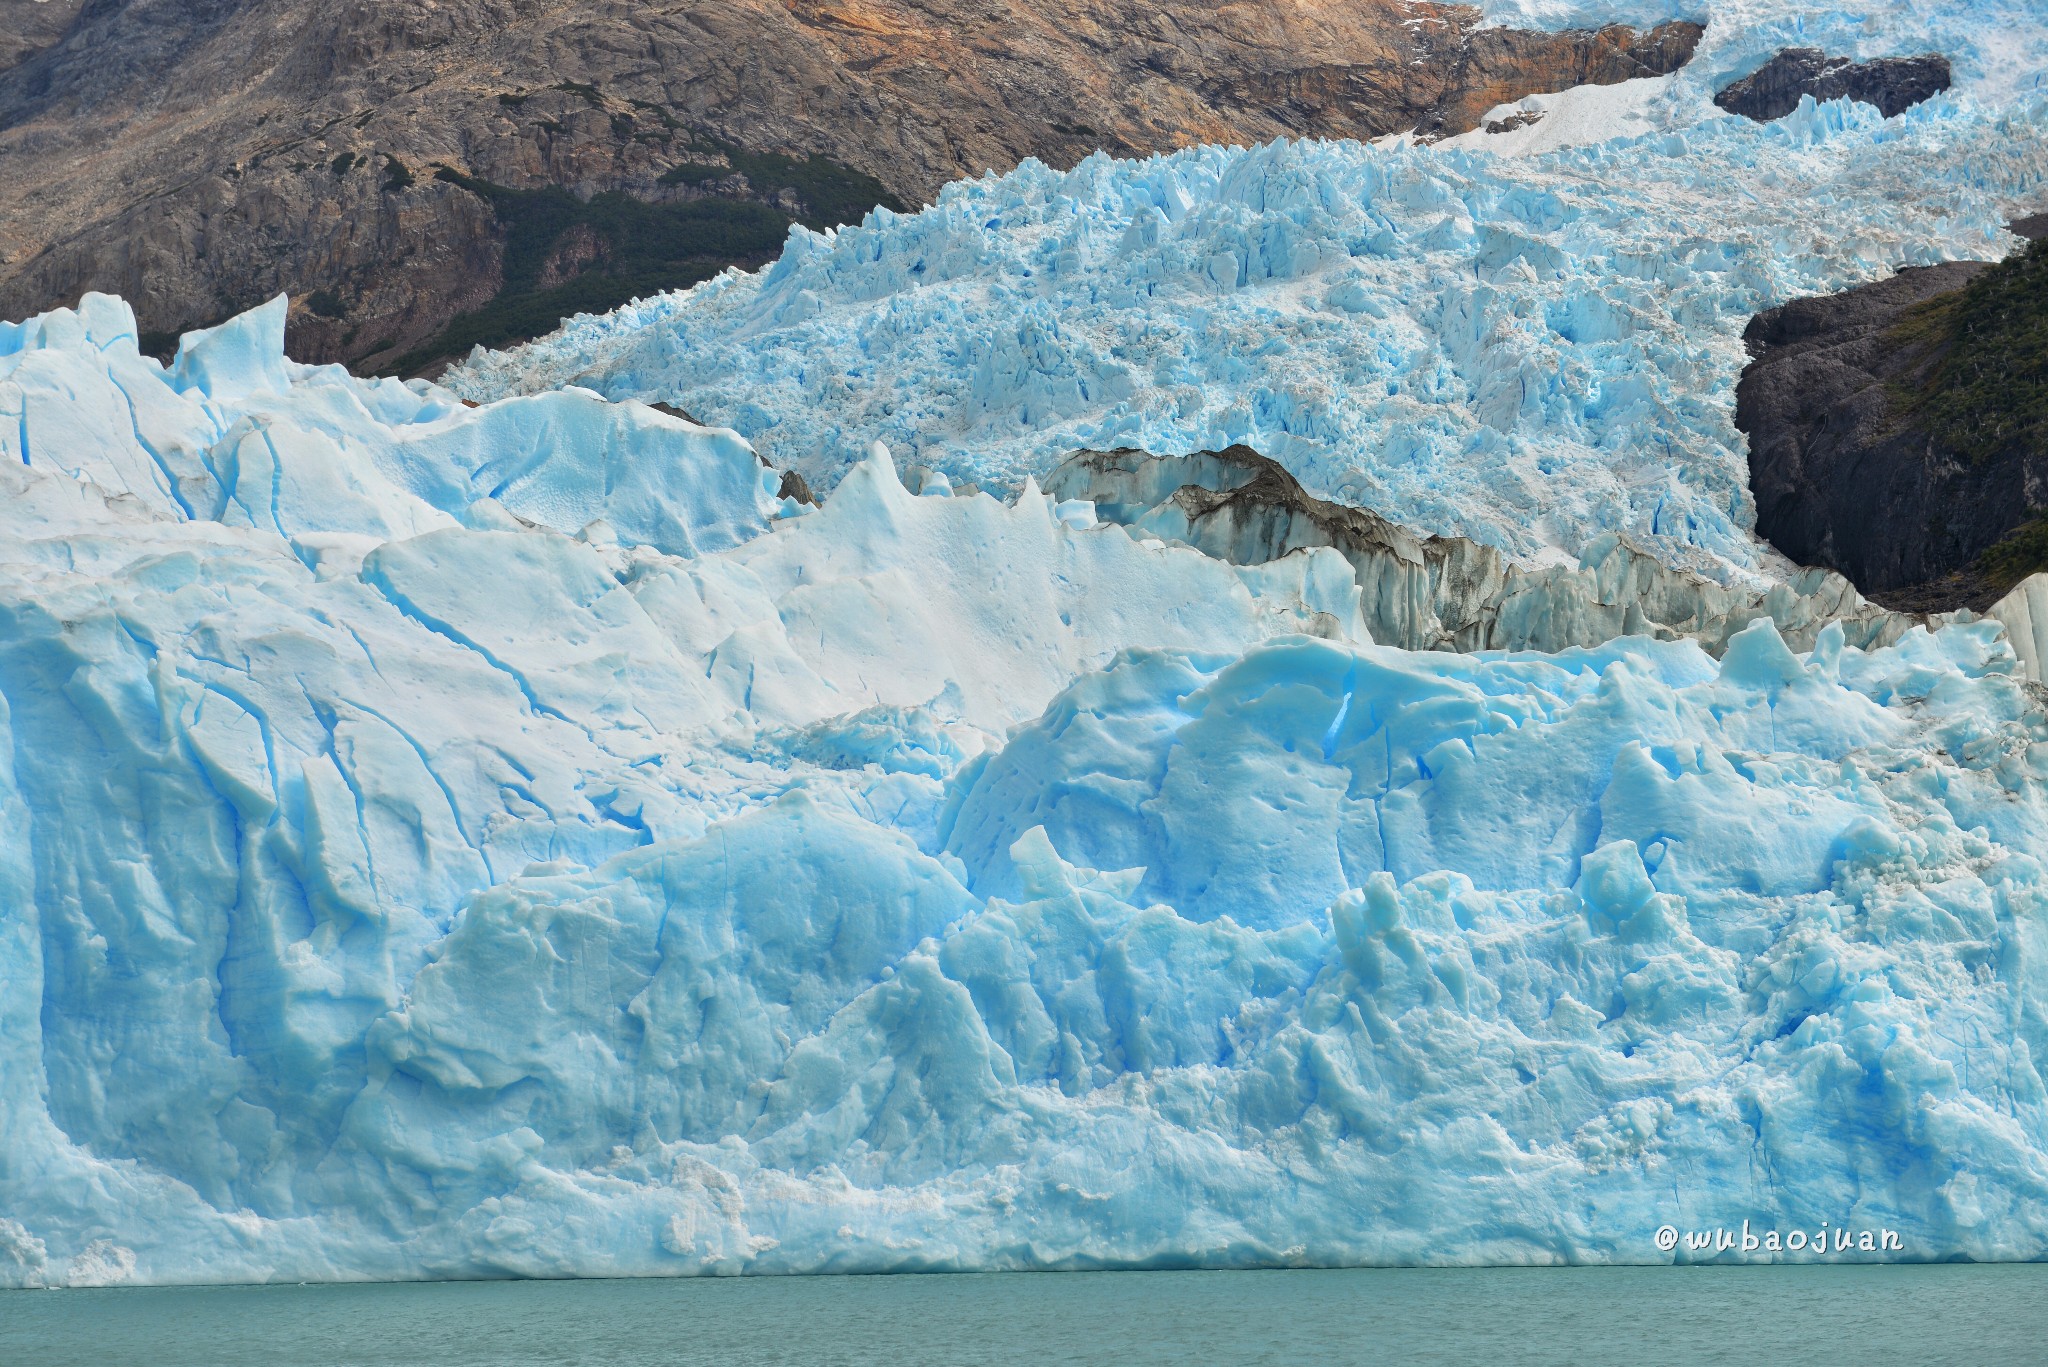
(797, 487)
(418, 177)
(670, 410)
(1893, 84)
(1896, 430)
(1425, 592)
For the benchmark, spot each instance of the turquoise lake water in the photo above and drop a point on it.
(1984, 1316)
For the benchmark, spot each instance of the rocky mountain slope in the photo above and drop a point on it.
(199, 157)
(29, 26)
(1899, 431)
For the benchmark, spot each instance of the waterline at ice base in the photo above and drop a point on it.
(397, 884)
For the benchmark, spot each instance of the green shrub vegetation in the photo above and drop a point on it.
(831, 192)
(1987, 393)
(693, 174)
(2023, 552)
(643, 249)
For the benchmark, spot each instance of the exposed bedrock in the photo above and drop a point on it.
(1893, 84)
(199, 158)
(1426, 592)
(1896, 430)
(1837, 481)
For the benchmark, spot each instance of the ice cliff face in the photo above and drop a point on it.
(1530, 352)
(419, 857)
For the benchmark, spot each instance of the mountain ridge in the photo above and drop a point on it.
(198, 158)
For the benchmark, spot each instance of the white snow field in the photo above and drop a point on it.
(1529, 350)
(448, 842)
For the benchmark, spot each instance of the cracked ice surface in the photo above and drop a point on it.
(1528, 351)
(393, 884)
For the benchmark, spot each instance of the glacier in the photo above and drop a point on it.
(483, 829)
(1531, 351)
(441, 841)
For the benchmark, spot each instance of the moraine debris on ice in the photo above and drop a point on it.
(1448, 593)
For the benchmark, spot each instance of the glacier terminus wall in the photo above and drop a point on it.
(415, 865)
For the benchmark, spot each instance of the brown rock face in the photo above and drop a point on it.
(198, 156)
(1896, 430)
(29, 26)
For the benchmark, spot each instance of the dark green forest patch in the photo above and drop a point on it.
(831, 192)
(1985, 394)
(615, 248)
(2023, 552)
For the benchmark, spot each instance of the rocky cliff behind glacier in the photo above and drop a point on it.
(1899, 431)
(198, 158)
